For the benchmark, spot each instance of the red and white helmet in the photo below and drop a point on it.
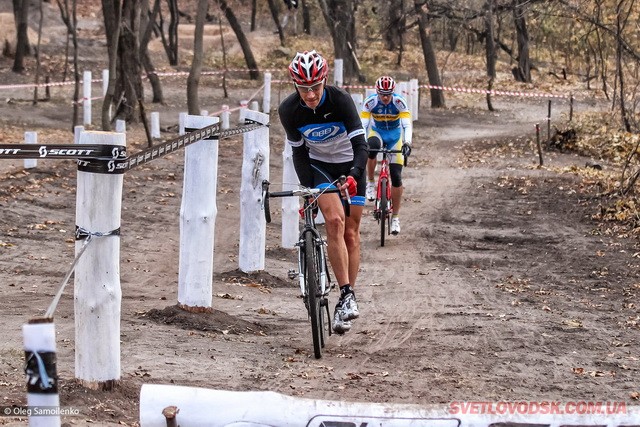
(308, 68)
(385, 85)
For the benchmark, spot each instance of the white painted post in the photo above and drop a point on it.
(414, 88)
(254, 106)
(97, 290)
(338, 67)
(40, 366)
(266, 97)
(181, 119)
(30, 138)
(204, 113)
(244, 106)
(255, 169)
(358, 99)
(403, 89)
(77, 131)
(155, 124)
(290, 205)
(224, 117)
(86, 97)
(368, 92)
(198, 213)
(121, 126)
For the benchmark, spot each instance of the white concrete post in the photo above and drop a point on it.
(105, 81)
(40, 367)
(30, 138)
(266, 97)
(358, 99)
(77, 131)
(121, 126)
(254, 106)
(86, 97)
(414, 88)
(97, 290)
(155, 124)
(244, 106)
(224, 117)
(368, 92)
(181, 119)
(290, 205)
(198, 213)
(403, 89)
(255, 169)
(338, 67)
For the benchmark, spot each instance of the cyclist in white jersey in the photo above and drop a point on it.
(386, 118)
(325, 131)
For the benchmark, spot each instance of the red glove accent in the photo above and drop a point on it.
(352, 186)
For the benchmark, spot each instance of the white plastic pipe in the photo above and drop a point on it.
(155, 124)
(30, 138)
(266, 98)
(86, 97)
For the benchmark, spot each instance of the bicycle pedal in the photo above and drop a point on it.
(292, 274)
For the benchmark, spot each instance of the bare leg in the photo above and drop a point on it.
(334, 218)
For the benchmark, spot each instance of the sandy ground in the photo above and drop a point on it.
(499, 287)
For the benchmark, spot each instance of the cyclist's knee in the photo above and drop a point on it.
(395, 171)
(374, 145)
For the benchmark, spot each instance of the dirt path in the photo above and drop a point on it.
(495, 290)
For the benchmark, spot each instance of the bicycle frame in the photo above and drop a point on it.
(383, 207)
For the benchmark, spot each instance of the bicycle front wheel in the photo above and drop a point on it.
(312, 284)
(384, 210)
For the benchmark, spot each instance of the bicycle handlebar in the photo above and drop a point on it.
(301, 192)
(386, 151)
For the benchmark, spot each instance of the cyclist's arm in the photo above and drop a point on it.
(302, 164)
(407, 126)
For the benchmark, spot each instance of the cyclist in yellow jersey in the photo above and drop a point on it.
(387, 120)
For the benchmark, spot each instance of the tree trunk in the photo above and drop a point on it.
(393, 24)
(111, 13)
(276, 18)
(490, 47)
(193, 81)
(172, 47)
(431, 63)
(70, 20)
(129, 87)
(523, 72)
(250, 60)
(306, 17)
(340, 18)
(21, 16)
(146, 24)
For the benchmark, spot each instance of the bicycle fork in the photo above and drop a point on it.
(322, 273)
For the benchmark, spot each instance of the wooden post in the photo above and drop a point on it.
(224, 117)
(40, 366)
(255, 169)
(30, 138)
(549, 122)
(266, 98)
(97, 290)
(290, 205)
(155, 124)
(538, 143)
(86, 97)
(198, 213)
(571, 107)
(338, 70)
(414, 89)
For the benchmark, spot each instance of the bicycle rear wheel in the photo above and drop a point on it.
(384, 209)
(312, 283)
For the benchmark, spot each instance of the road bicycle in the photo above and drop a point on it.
(313, 268)
(383, 205)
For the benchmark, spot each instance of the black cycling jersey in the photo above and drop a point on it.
(332, 133)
